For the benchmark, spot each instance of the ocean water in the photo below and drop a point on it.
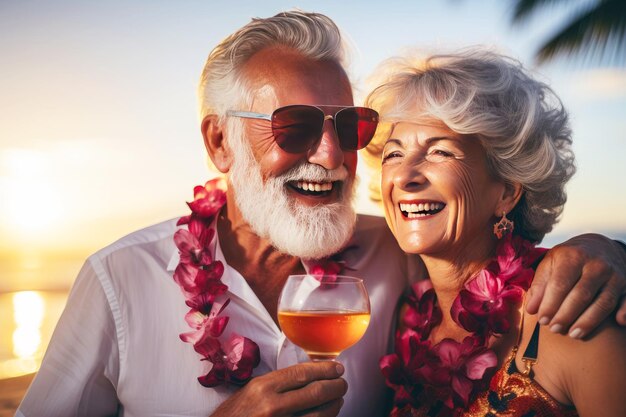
(27, 320)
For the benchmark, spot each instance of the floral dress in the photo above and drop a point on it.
(511, 393)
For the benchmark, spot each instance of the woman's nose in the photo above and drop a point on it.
(409, 174)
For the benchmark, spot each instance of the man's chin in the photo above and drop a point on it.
(321, 234)
(308, 250)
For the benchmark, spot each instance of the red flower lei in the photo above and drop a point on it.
(199, 276)
(452, 372)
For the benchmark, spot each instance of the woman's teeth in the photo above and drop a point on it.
(314, 186)
(412, 210)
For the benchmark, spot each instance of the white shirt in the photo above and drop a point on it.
(116, 349)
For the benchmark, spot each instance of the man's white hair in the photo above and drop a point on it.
(222, 86)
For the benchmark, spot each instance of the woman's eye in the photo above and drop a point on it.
(439, 155)
(391, 155)
(441, 152)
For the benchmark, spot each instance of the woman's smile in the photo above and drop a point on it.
(420, 209)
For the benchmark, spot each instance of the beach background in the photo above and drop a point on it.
(99, 133)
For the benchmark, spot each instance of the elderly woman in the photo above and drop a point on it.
(475, 156)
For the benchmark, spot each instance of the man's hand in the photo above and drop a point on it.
(312, 389)
(578, 284)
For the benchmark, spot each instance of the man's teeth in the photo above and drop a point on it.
(419, 210)
(314, 186)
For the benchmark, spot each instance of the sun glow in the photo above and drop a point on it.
(28, 308)
(30, 203)
(28, 315)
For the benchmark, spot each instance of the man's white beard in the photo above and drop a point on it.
(293, 228)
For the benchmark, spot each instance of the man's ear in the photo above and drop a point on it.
(219, 153)
(509, 199)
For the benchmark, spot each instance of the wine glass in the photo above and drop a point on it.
(324, 316)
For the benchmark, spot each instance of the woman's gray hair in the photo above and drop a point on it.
(222, 86)
(520, 122)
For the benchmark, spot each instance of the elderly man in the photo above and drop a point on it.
(278, 121)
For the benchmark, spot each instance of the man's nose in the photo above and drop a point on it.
(327, 153)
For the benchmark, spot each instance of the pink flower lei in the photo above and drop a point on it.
(454, 372)
(199, 276)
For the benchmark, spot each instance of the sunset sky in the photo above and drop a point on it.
(99, 134)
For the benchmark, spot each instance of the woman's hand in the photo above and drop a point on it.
(312, 389)
(578, 284)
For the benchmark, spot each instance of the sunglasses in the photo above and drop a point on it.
(298, 128)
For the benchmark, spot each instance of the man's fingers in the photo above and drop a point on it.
(558, 275)
(582, 298)
(601, 308)
(330, 409)
(314, 395)
(291, 390)
(535, 295)
(298, 376)
(579, 312)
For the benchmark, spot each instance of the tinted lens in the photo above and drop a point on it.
(355, 127)
(296, 128)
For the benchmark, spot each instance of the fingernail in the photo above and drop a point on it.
(339, 368)
(576, 334)
(544, 320)
(556, 328)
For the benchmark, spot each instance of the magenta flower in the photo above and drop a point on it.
(194, 250)
(232, 363)
(197, 280)
(459, 364)
(515, 258)
(208, 200)
(324, 267)
(326, 270)
(422, 313)
(484, 304)
(403, 369)
(213, 324)
(203, 302)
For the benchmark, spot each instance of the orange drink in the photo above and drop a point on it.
(323, 334)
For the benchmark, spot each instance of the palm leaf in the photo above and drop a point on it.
(523, 8)
(591, 32)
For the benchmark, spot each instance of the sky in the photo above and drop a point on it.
(99, 134)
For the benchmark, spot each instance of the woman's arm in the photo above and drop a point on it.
(586, 373)
(595, 380)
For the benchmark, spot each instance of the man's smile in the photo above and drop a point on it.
(316, 189)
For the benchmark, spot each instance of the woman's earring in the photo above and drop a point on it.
(503, 227)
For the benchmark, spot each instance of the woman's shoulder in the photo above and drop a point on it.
(607, 338)
(565, 366)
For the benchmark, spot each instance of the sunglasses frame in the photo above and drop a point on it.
(320, 107)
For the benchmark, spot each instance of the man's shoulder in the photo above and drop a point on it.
(374, 231)
(371, 232)
(158, 234)
(370, 223)
(376, 243)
